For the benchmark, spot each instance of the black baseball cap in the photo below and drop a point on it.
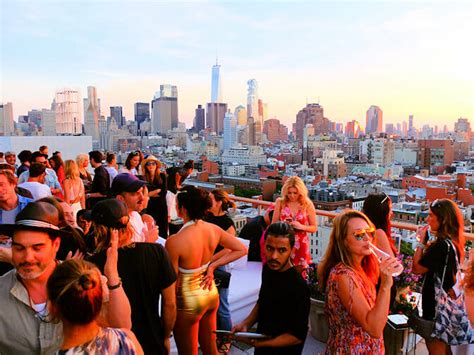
(126, 182)
(111, 213)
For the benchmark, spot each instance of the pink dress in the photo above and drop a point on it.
(346, 336)
(301, 254)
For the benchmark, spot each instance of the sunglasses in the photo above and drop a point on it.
(435, 203)
(150, 163)
(362, 233)
(385, 199)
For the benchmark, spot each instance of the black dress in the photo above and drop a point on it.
(157, 207)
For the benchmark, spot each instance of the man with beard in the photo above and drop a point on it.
(131, 190)
(27, 327)
(283, 303)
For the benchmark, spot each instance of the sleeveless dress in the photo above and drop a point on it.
(346, 336)
(301, 254)
(111, 341)
(76, 190)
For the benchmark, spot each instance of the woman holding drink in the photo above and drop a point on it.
(295, 208)
(446, 223)
(348, 273)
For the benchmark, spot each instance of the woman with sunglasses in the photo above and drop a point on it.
(348, 274)
(132, 164)
(445, 221)
(157, 189)
(146, 273)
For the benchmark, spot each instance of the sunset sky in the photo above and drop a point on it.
(405, 57)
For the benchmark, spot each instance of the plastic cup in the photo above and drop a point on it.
(381, 255)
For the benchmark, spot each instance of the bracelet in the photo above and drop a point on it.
(88, 195)
(420, 245)
(113, 287)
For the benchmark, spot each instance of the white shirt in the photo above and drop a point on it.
(171, 203)
(139, 228)
(37, 189)
(112, 173)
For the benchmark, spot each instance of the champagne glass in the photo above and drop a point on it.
(381, 255)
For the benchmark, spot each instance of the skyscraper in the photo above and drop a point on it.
(165, 109)
(411, 131)
(199, 118)
(68, 111)
(240, 114)
(142, 112)
(252, 99)
(91, 114)
(215, 116)
(6, 119)
(117, 116)
(216, 85)
(230, 130)
(311, 114)
(374, 120)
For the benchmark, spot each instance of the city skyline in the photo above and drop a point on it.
(404, 58)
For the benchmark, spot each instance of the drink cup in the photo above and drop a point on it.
(381, 255)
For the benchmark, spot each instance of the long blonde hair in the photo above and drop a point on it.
(80, 159)
(337, 251)
(298, 184)
(71, 170)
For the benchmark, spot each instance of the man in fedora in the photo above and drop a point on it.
(24, 318)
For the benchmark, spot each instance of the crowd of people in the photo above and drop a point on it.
(122, 260)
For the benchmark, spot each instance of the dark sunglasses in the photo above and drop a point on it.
(150, 163)
(436, 203)
(361, 233)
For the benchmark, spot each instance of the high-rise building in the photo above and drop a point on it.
(389, 128)
(435, 153)
(240, 114)
(142, 112)
(35, 117)
(67, 104)
(6, 119)
(117, 116)
(272, 129)
(48, 122)
(91, 114)
(252, 100)
(251, 131)
(353, 129)
(374, 120)
(216, 84)
(165, 109)
(411, 131)
(462, 129)
(199, 118)
(404, 129)
(215, 116)
(230, 130)
(311, 114)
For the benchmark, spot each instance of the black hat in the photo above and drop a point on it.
(111, 213)
(126, 182)
(40, 216)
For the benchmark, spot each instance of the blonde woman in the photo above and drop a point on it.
(82, 161)
(295, 208)
(74, 193)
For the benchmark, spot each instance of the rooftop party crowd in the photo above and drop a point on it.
(100, 259)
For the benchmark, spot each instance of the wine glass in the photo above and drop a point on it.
(381, 255)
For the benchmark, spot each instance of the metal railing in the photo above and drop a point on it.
(259, 204)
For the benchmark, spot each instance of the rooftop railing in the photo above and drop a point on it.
(259, 204)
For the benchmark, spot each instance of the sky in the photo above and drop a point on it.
(406, 57)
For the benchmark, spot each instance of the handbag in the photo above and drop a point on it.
(421, 326)
(451, 323)
(222, 278)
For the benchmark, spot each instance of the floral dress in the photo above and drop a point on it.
(346, 336)
(111, 341)
(301, 254)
